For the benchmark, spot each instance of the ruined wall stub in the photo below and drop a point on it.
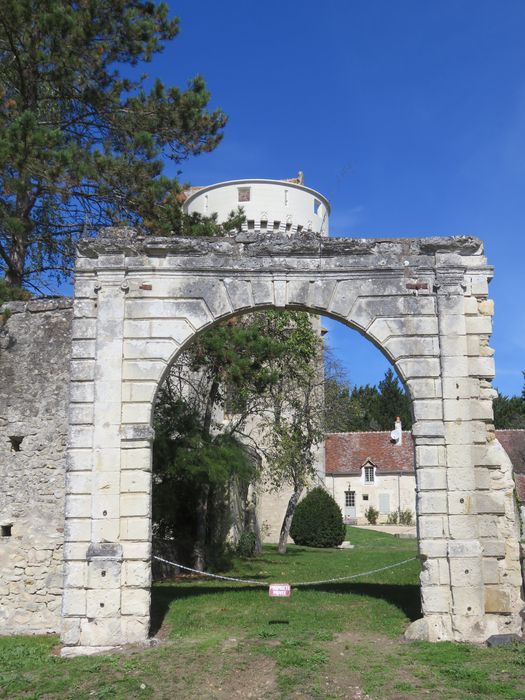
(35, 346)
(138, 301)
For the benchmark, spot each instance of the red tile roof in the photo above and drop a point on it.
(346, 453)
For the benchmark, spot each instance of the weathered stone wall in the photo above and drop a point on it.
(35, 346)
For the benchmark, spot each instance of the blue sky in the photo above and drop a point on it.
(409, 116)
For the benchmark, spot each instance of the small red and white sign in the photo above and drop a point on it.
(280, 590)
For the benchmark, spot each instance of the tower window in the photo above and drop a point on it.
(6, 530)
(317, 204)
(244, 194)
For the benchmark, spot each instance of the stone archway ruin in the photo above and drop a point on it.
(138, 301)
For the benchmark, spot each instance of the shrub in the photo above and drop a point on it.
(372, 514)
(406, 517)
(392, 518)
(246, 545)
(318, 521)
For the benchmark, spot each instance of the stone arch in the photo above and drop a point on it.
(139, 301)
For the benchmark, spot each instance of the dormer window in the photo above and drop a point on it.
(369, 475)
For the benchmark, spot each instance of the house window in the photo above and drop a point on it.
(349, 499)
(365, 497)
(244, 194)
(6, 530)
(317, 204)
(369, 475)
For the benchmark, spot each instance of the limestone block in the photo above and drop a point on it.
(136, 412)
(139, 459)
(497, 600)
(81, 391)
(435, 599)
(486, 351)
(137, 574)
(79, 482)
(430, 455)
(133, 504)
(463, 527)
(454, 345)
(105, 505)
(482, 367)
(78, 506)
(136, 601)
(137, 550)
(106, 460)
(465, 432)
(464, 549)
(427, 429)
(465, 572)
(139, 391)
(455, 366)
(432, 478)
(104, 574)
(468, 600)
(424, 388)
(478, 325)
(321, 291)
(77, 530)
(75, 575)
(473, 345)
(135, 528)
(457, 409)
(460, 387)
(75, 551)
(81, 414)
(412, 346)
(461, 479)
(80, 436)
(482, 410)
(101, 632)
(102, 603)
(427, 409)
(85, 308)
(486, 307)
(79, 460)
(262, 291)
(471, 306)
(431, 628)
(452, 325)
(136, 370)
(179, 329)
(430, 502)
(135, 629)
(83, 349)
(239, 292)
(490, 503)
(106, 482)
(433, 548)
(70, 630)
(135, 481)
(419, 367)
(83, 329)
(107, 414)
(153, 349)
(106, 529)
(461, 502)
(482, 478)
(383, 328)
(491, 573)
(84, 286)
(431, 526)
(493, 548)
(73, 602)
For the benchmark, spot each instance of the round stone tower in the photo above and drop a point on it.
(270, 206)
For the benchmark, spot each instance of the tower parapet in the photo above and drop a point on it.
(270, 206)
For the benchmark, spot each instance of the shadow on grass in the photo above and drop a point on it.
(406, 597)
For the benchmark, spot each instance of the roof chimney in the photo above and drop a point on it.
(397, 434)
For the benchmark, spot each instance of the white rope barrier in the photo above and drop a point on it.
(301, 583)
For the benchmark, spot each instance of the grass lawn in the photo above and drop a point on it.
(336, 640)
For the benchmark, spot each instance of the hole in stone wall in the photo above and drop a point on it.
(6, 530)
(16, 442)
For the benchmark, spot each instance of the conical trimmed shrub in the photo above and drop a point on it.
(318, 521)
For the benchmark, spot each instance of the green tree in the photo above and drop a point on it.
(392, 401)
(318, 521)
(82, 133)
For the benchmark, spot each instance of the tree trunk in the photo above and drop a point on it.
(287, 522)
(199, 549)
(15, 270)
